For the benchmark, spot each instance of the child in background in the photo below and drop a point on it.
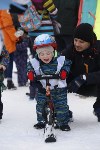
(4, 59)
(20, 57)
(46, 63)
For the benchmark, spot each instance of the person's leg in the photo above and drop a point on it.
(61, 108)
(1, 106)
(10, 67)
(41, 100)
(9, 72)
(96, 105)
(88, 90)
(32, 89)
(21, 65)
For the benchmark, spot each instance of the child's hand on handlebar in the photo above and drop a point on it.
(63, 75)
(31, 75)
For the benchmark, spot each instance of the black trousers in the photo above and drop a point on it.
(1, 106)
(88, 90)
(91, 90)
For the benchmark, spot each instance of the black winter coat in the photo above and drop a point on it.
(67, 15)
(86, 62)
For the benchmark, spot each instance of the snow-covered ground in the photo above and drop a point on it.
(17, 132)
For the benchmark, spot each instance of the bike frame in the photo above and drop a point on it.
(48, 111)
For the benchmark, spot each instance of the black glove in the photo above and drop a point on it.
(75, 84)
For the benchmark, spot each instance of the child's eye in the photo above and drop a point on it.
(42, 54)
(48, 53)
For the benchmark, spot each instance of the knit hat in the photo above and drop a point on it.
(45, 48)
(84, 32)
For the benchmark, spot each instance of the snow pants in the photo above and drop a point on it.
(61, 109)
(1, 106)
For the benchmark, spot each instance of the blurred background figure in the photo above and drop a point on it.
(8, 31)
(14, 6)
(67, 16)
(4, 59)
(20, 58)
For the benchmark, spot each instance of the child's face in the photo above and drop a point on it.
(46, 56)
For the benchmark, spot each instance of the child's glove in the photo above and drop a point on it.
(63, 75)
(75, 84)
(31, 76)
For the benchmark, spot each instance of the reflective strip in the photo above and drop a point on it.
(61, 83)
(60, 60)
(35, 64)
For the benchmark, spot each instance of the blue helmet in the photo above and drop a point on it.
(44, 40)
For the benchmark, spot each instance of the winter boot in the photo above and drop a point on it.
(10, 85)
(71, 116)
(39, 125)
(97, 113)
(1, 110)
(96, 107)
(65, 127)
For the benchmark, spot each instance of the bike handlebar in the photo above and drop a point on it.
(41, 77)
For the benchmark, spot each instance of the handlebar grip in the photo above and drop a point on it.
(41, 77)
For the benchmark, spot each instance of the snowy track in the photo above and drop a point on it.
(17, 132)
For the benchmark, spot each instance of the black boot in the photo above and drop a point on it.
(97, 113)
(39, 125)
(1, 110)
(65, 127)
(96, 107)
(10, 85)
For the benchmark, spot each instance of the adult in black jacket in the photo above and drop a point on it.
(84, 77)
(67, 16)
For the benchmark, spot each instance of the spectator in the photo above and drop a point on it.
(20, 57)
(84, 77)
(8, 30)
(67, 16)
(4, 59)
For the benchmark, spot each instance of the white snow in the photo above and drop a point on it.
(17, 132)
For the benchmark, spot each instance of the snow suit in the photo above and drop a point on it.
(58, 88)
